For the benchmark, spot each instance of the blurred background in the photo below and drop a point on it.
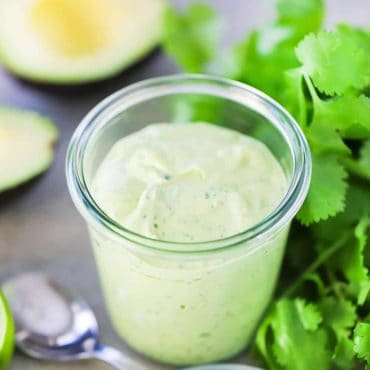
(39, 226)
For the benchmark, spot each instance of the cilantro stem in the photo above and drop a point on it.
(302, 107)
(321, 258)
(355, 168)
(311, 88)
(333, 284)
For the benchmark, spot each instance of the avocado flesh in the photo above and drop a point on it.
(26, 146)
(72, 28)
(74, 42)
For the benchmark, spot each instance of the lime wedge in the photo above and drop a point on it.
(6, 334)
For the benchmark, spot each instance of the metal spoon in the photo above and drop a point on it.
(52, 324)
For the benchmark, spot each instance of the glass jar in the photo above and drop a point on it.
(188, 303)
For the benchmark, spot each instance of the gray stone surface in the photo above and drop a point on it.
(39, 227)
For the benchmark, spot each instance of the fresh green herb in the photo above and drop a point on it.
(362, 340)
(335, 61)
(263, 57)
(320, 317)
(292, 325)
(192, 38)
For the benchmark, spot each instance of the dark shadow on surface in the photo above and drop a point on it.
(72, 90)
(16, 193)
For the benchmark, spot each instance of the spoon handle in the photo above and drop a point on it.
(115, 358)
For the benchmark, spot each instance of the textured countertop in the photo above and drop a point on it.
(39, 226)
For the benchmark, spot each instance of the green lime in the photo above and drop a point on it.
(6, 333)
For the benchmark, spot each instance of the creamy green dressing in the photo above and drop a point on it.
(187, 183)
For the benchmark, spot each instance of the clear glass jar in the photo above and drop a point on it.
(188, 303)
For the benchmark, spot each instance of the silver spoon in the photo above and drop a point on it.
(53, 325)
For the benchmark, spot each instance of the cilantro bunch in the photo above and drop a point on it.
(320, 318)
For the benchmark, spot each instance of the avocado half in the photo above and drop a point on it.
(26, 146)
(76, 41)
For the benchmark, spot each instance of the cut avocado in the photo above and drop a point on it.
(71, 42)
(26, 146)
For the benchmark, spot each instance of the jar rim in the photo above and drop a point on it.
(217, 86)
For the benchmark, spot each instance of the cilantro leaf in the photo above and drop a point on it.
(350, 261)
(197, 108)
(333, 121)
(349, 115)
(358, 204)
(266, 54)
(334, 61)
(357, 207)
(336, 119)
(292, 325)
(339, 315)
(303, 16)
(327, 191)
(262, 64)
(362, 340)
(359, 36)
(344, 353)
(293, 96)
(323, 79)
(361, 167)
(325, 138)
(264, 341)
(191, 39)
(364, 160)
